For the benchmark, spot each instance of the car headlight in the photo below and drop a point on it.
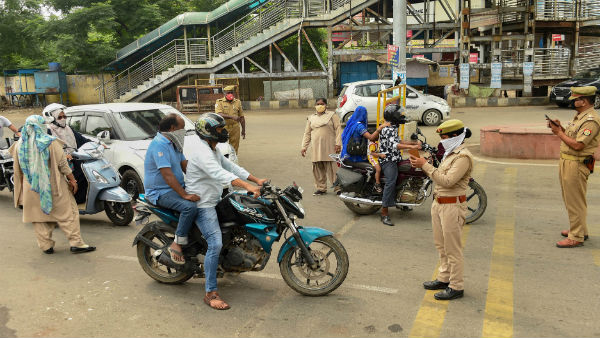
(99, 177)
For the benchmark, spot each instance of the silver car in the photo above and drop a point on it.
(427, 109)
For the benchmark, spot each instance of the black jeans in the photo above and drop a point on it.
(390, 172)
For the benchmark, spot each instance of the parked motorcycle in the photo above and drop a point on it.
(413, 186)
(6, 165)
(311, 260)
(104, 192)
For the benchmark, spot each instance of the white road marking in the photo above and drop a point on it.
(274, 276)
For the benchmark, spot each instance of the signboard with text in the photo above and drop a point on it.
(464, 75)
(392, 55)
(473, 57)
(496, 81)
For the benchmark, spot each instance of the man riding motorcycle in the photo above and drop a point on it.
(208, 171)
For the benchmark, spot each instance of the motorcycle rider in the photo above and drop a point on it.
(4, 122)
(449, 208)
(164, 167)
(208, 171)
(390, 146)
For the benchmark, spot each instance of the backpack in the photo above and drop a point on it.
(357, 146)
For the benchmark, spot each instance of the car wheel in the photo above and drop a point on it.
(132, 183)
(432, 117)
(597, 102)
(347, 117)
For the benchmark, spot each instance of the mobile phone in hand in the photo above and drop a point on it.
(551, 121)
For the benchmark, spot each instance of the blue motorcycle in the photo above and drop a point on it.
(103, 191)
(311, 260)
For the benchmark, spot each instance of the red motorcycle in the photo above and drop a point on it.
(413, 186)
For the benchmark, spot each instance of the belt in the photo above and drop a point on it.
(450, 199)
(572, 157)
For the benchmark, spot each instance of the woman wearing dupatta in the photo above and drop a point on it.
(323, 131)
(41, 188)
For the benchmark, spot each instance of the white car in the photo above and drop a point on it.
(427, 109)
(131, 127)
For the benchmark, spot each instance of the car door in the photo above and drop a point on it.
(366, 96)
(414, 105)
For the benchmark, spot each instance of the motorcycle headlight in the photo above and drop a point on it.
(99, 177)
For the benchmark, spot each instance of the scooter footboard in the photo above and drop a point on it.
(308, 234)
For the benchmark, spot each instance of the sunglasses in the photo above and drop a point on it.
(61, 118)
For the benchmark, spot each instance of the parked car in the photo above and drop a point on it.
(131, 127)
(424, 108)
(561, 92)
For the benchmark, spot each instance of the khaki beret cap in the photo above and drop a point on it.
(229, 88)
(450, 126)
(582, 91)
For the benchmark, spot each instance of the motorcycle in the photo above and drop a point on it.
(6, 165)
(311, 261)
(413, 186)
(104, 192)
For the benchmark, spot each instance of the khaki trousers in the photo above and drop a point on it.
(71, 228)
(573, 176)
(234, 131)
(447, 221)
(323, 170)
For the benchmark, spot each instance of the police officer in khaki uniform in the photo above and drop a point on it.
(449, 208)
(579, 141)
(231, 109)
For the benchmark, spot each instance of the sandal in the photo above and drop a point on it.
(209, 298)
(178, 253)
(378, 188)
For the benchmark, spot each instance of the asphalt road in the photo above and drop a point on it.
(517, 283)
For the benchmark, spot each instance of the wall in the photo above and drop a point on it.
(81, 89)
(288, 89)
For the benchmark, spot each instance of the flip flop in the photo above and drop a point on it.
(178, 253)
(208, 299)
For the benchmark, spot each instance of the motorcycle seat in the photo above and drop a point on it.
(360, 165)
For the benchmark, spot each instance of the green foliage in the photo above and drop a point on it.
(83, 35)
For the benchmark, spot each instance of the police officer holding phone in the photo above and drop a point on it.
(579, 140)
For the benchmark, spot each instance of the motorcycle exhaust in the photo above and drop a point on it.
(350, 199)
(164, 258)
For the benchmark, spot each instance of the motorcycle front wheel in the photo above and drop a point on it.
(119, 213)
(151, 266)
(476, 201)
(333, 262)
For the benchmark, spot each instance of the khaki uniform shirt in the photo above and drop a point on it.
(324, 132)
(453, 174)
(233, 108)
(584, 128)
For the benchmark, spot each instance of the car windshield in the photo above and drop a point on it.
(589, 74)
(143, 124)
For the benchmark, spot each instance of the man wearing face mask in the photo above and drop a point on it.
(164, 167)
(231, 109)
(449, 208)
(324, 131)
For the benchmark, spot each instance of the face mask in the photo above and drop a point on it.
(320, 108)
(452, 143)
(177, 137)
(223, 136)
(229, 97)
(62, 123)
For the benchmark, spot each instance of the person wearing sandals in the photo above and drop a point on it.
(208, 171)
(356, 128)
(164, 167)
(323, 129)
(41, 189)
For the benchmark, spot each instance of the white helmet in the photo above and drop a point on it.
(47, 112)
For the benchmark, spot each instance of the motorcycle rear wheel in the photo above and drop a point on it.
(329, 276)
(362, 209)
(119, 213)
(476, 201)
(152, 267)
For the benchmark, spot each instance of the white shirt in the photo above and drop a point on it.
(4, 122)
(207, 172)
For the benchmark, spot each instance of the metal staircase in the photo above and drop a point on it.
(268, 23)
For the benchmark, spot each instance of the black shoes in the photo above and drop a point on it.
(435, 285)
(319, 193)
(387, 221)
(82, 249)
(449, 294)
(49, 251)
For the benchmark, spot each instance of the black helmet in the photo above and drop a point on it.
(206, 127)
(393, 114)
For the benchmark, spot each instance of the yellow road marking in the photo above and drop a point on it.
(498, 318)
(432, 313)
(347, 227)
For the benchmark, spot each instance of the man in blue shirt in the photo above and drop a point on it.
(164, 167)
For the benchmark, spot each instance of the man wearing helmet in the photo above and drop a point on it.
(449, 208)
(390, 146)
(208, 171)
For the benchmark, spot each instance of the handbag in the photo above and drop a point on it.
(357, 146)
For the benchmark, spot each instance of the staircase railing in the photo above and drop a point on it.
(590, 9)
(555, 9)
(589, 57)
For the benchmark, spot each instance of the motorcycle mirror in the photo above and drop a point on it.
(104, 136)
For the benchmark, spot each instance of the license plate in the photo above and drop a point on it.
(559, 98)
